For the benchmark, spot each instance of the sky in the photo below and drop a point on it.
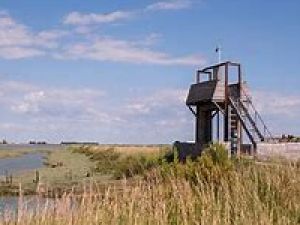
(119, 71)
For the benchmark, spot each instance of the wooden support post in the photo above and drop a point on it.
(230, 133)
(197, 130)
(239, 138)
(203, 127)
(239, 74)
(6, 177)
(226, 116)
(10, 179)
(239, 127)
(37, 176)
(198, 77)
(218, 126)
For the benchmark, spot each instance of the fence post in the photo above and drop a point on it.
(37, 177)
(11, 179)
(6, 177)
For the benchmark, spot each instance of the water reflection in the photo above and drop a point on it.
(10, 205)
(25, 162)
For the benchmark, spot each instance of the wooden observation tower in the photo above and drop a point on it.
(223, 110)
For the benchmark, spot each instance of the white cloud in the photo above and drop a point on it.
(30, 103)
(110, 49)
(18, 41)
(9, 87)
(26, 99)
(8, 127)
(54, 102)
(151, 39)
(280, 111)
(169, 98)
(170, 5)
(60, 106)
(77, 18)
(12, 33)
(19, 52)
(277, 104)
(81, 105)
(57, 113)
(161, 115)
(49, 38)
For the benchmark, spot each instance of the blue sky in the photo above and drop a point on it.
(119, 71)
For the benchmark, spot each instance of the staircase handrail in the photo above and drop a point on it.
(235, 108)
(266, 129)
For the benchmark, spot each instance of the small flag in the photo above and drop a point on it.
(217, 49)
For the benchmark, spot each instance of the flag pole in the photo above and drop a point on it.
(219, 51)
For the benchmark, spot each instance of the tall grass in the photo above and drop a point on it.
(120, 163)
(211, 190)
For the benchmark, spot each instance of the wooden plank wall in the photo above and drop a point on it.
(206, 91)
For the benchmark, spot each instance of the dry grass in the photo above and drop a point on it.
(212, 190)
(252, 196)
(130, 149)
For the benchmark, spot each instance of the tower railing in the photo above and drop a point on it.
(255, 115)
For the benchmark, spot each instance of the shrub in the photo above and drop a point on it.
(109, 161)
(218, 155)
(135, 165)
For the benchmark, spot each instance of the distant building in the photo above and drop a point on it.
(37, 142)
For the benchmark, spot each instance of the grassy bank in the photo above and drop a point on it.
(5, 154)
(72, 167)
(63, 169)
(15, 150)
(211, 190)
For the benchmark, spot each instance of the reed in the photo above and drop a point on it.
(210, 190)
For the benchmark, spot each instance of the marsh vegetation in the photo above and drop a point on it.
(212, 189)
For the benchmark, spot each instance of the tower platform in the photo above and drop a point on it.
(223, 108)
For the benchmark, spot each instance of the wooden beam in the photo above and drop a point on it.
(226, 111)
(219, 108)
(190, 108)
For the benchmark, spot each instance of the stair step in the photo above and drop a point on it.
(239, 112)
